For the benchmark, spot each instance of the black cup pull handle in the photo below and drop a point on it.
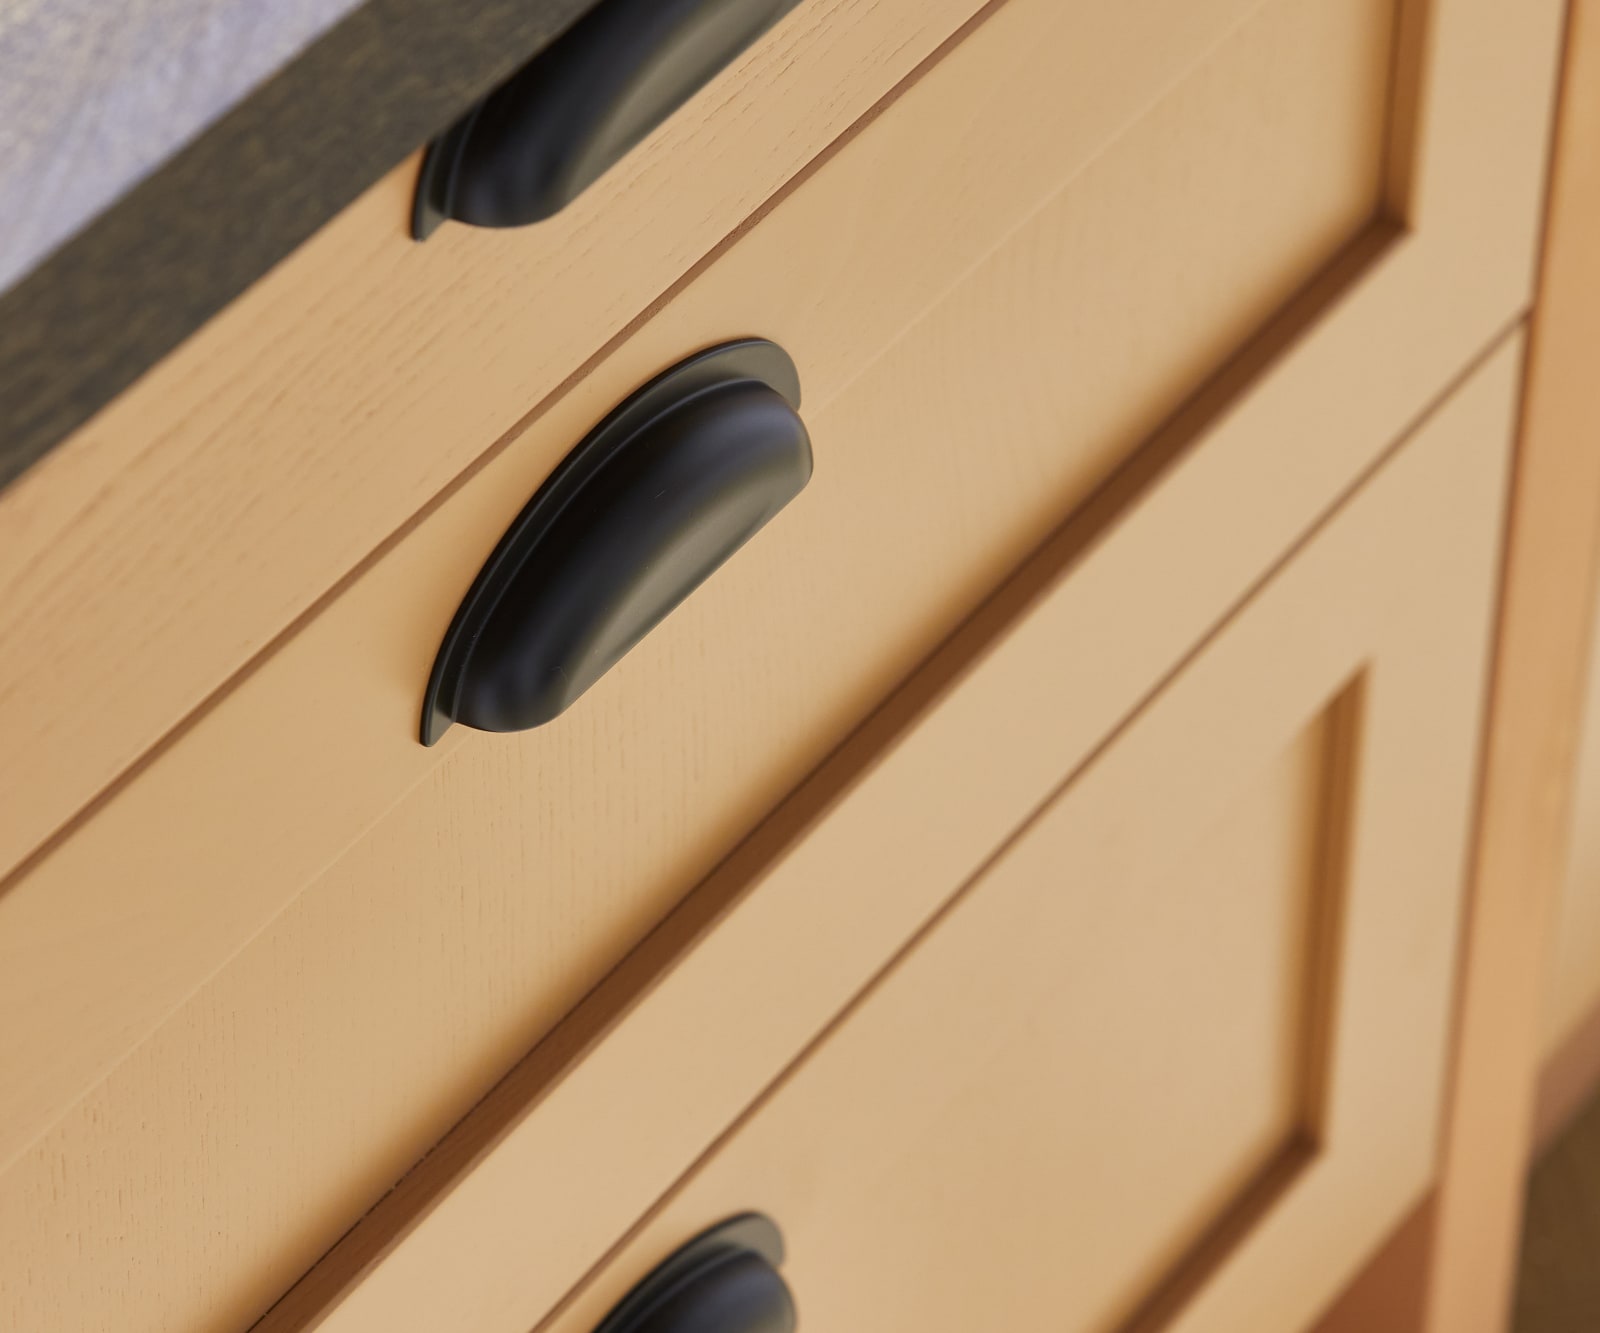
(649, 504)
(539, 140)
(725, 1280)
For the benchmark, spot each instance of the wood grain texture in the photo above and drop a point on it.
(1432, 319)
(116, 296)
(420, 935)
(198, 929)
(364, 342)
(1391, 332)
(912, 826)
(249, 477)
(1396, 331)
(264, 461)
(1027, 1052)
(1548, 593)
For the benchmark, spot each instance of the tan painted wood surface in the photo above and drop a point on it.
(1572, 993)
(168, 913)
(194, 519)
(333, 746)
(190, 523)
(989, 504)
(1548, 595)
(420, 936)
(959, 1108)
(1568, 1079)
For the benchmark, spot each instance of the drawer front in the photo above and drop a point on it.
(1173, 1058)
(405, 891)
(1202, 960)
(189, 524)
(942, 426)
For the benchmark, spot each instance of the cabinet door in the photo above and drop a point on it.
(1173, 1058)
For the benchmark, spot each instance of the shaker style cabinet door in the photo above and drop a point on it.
(1173, 1058)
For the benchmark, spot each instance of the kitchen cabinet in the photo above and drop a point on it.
(1042, 856)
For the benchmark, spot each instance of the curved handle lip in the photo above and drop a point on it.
(436, 179)
(749, 1233)
(743, 360)
(531, 146)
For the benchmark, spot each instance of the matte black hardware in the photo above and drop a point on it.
(635, 518)
(539, 140)
(725, 1280)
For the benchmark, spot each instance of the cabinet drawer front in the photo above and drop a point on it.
(1255, 881)
(406, 890)
(943, 425)
(1173, 1057)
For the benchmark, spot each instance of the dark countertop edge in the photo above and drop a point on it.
(113, 300)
